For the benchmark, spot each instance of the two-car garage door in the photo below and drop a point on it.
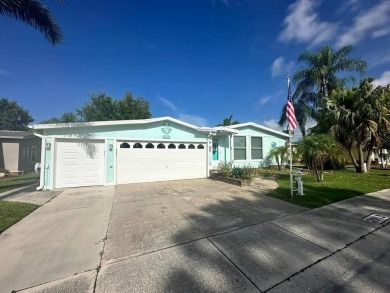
(82, 163)
(160, 161)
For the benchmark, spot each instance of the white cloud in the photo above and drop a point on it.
(381, 32)
(374, 20)
(383, 80)
(273, 124)
(302, 24)
(280, 67)
(263, 100)
(378, 59)
(168, 103)
(196, 120)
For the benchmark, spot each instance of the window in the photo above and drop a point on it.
(256, 148)
(149, 146)
(33, 154)
(182, 146)
(191, 146)
(124, 145)
(200, 147)
(239, 148)
(171, 146)
(161, 146)
(137, 145)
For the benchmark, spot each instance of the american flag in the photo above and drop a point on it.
(290, 112)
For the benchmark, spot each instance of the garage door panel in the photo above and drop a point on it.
(79, 164)
(147, 165)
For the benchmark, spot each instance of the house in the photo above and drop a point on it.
(19, 151)
(157, 149)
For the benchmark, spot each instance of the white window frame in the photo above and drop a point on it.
(246, 149)
(262, 153)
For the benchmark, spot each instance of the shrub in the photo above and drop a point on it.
(225, 170)
(237, 172)
(248, 173)
(4, 171)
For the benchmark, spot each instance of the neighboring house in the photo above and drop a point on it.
(19, 150)
(157, 149)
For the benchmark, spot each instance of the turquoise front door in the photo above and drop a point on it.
(215, 149)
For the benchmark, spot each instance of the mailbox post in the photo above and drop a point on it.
(300, 182)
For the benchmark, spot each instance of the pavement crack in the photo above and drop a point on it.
(233, 264)
(326, 257)
(104, 244)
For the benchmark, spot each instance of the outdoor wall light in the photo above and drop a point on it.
(110, 146)
(48, 146)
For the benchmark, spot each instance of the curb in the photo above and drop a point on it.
(10, 192)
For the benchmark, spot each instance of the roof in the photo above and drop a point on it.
(255, 125)
(111, 123)
(15, 134)
(218, 129)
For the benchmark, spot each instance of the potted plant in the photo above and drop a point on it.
(3, 172)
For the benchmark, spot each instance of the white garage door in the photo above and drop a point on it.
(79, 163)
(148, 162)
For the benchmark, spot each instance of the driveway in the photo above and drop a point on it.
(195, 236)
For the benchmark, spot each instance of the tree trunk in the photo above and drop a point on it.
(361, 158)
(354, 162)
(369, 153)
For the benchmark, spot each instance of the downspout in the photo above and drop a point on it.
(42, 173)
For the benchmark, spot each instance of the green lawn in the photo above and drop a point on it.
(337, 186)
(12, 212)
(12, 182)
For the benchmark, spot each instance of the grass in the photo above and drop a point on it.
(337, 186)
(12, 182)
(12, 212)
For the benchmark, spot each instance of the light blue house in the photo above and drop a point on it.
(157, 149)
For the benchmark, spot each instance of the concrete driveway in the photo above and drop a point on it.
(195, 236)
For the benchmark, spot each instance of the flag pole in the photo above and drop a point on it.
(289, 141)
(291, 173)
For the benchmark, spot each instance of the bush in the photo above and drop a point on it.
(237, 172)
(225, 170)
(248, 173)
(4, 171)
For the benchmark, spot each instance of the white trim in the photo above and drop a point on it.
(110, 123)
(255, 125)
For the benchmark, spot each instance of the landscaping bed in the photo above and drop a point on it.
(230, 180)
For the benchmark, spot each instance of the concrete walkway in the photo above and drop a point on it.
(285, 249)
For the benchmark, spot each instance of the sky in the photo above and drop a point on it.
(199, 61)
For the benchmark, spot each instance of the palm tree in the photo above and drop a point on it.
(279, 154)
(354, 115)
(316, 149)
(36, 14)
(228, 121)
(319, 78)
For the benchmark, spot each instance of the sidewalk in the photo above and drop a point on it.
(329, 249)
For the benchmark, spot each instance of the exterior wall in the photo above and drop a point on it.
(10, 152)
(26, 158)
(152, 131)
(112, 135)
(268, 139)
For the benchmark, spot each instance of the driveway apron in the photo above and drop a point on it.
(60, 239)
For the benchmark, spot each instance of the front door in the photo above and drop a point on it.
(215, 149)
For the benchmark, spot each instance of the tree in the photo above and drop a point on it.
(319, 78)
(302, 113)
(228, 121)
(67, 117)
(36, 14)
(100, 108)
(131, 108)
(354, 115)
(316, 149)
(279, 154)
(13, 116)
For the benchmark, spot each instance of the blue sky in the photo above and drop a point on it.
(196, 60)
